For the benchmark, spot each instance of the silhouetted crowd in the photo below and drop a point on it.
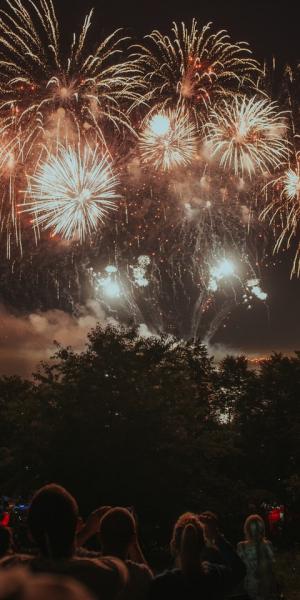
(206, 566)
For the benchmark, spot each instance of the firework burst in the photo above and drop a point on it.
(72, 192)
(247, 136)
(195, 66)
(168, 140)
(40, 87)
(284, 211)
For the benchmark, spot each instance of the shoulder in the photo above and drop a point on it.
(167, 577)
(13, 560)
(139, 570)
(241, 547)
(165, 584)
(269, 549)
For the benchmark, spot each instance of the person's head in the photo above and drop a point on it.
(188, 532)
(5, 541)
(117, 531)
(254, 528)
(52, 521)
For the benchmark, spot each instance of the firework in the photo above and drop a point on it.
(224, 269)
(284, 210)
(139, 272)
(254, 286)
(168, 140)
(247, 136)
(291, 185)
(43, 90)
(195, 66)
(49, 95)
(72, 192)
(109, 285)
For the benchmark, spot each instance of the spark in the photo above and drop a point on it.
(291, 185)
(139, 271)
(284, 210)
(38, 80)
(195, 66)
(247, 136)
(254, 286)
(72, 192)
(168, 140)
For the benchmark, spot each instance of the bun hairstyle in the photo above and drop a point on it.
(188, 542)
(190, 550)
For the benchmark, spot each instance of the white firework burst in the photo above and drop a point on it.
(72, 192)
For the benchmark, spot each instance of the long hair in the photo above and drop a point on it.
(254, 530)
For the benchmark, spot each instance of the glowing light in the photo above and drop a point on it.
(139, 271)
(291, 185)
(169, 140)
(72, 192)
(247, 136)
(254, 286)
(111, 269)
(224, 269)
(108, 285)
(160, 125)
(111, 288)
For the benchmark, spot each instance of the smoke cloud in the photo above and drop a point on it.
(27, 340)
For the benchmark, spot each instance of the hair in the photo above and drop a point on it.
(179, 529)
(52, 520)
(5, 540)
(254, 529)
(117, 529)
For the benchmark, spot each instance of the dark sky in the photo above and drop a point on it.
(271, 27)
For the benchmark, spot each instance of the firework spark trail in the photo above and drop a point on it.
(247, 136)
(72, 192)
(183, 244)
(168, 140)
(196, 66)
(37, 79)
(284, 209)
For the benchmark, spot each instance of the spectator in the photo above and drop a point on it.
(257, 554)
(5, 541)
(195, 577)
(52, 520)
(118, 537)
(88, 530)
(20, 584)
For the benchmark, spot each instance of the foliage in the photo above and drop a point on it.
(154, 423)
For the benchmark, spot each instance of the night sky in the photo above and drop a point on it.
(272, 29)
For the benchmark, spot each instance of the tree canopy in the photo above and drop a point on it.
(155, 423)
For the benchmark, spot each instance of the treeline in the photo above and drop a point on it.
(155, 423)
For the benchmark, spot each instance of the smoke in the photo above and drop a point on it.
(25, 340)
